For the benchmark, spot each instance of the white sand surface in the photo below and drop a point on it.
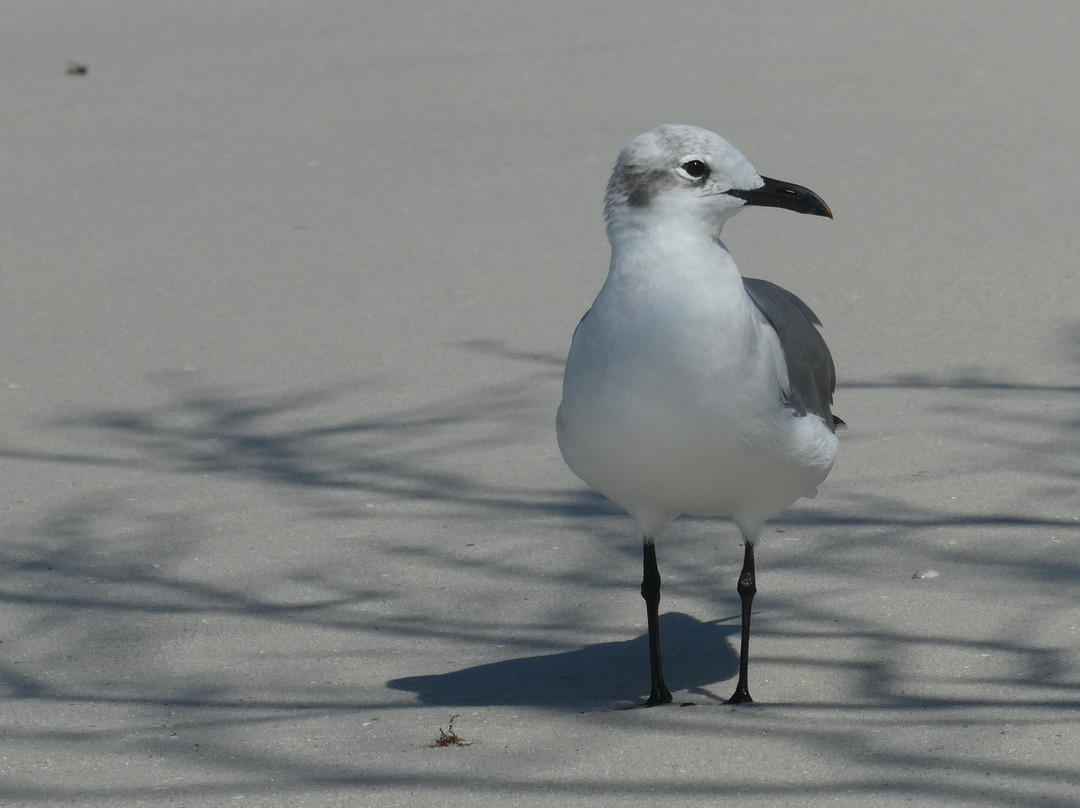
(285, 291)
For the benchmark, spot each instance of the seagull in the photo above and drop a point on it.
(688, 388)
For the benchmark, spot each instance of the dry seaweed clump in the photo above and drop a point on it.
(449, 737)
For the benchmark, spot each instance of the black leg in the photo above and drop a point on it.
(747, 588)
(650, 590)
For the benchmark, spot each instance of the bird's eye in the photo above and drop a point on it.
(694, 168)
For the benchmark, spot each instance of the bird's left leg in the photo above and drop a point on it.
(747, 588)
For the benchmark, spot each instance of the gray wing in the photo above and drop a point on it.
(811, 372)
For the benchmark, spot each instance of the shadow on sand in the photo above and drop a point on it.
(587, 677)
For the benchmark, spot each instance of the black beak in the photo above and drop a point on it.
(777, 194)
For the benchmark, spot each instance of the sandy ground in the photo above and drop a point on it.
(285, 293)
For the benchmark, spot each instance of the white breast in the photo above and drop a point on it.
(672, 399)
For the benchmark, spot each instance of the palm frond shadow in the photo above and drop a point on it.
(99, 577)
(413, 453)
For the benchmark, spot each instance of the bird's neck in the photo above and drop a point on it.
(682, 255)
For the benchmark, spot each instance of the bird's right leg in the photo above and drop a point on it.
(650, 591)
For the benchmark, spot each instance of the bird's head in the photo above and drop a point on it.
(696, 178)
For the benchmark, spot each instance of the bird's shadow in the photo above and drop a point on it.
(696, 654)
